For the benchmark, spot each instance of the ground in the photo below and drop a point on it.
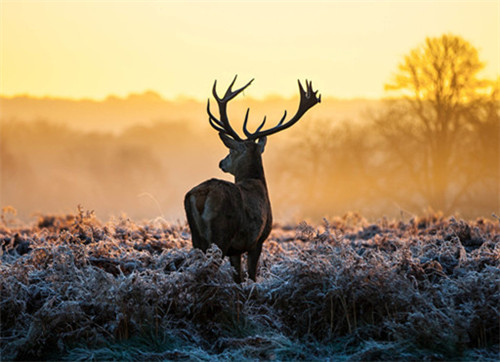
(75, 288)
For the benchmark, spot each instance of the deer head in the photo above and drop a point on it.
(240, 153)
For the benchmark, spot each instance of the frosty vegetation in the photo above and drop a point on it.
(75, 288)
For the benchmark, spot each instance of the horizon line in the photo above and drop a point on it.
(178, 98)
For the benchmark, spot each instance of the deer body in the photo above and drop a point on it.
(209, 206)
(237, 216)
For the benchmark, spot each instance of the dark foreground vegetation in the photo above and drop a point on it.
(73, 288)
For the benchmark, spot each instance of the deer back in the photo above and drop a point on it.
(233, 216)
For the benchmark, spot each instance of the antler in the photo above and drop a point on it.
(308, 99)
(223, 125)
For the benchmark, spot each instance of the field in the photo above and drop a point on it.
(75, 288)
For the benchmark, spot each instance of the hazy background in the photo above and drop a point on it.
(103, 104)
(106, 160)
(56, 154)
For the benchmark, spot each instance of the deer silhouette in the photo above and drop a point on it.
(237, 216)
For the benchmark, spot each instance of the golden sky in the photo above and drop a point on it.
(90, 49)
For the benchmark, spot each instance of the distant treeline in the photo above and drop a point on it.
(320, 167)
(115, 114)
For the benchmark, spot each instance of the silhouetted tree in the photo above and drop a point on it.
(434, 128)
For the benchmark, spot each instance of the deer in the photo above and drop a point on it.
(236, 216)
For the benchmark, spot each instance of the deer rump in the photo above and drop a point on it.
(212, 217)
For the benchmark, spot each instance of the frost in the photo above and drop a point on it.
(346, 289)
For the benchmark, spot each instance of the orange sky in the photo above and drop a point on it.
(348, 48)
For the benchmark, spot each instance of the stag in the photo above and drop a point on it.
(237, 216)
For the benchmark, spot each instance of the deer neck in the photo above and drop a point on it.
(253, 171)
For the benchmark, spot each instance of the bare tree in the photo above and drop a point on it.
(439, 100)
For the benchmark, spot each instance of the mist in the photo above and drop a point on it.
(138, 156)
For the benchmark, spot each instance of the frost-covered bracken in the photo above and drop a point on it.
(75, 288)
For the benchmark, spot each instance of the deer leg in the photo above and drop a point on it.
(236, 263)
(193, 227)
(199, 229)
(253, 260)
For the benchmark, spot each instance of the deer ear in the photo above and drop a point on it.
(228, 141)
(262, 143)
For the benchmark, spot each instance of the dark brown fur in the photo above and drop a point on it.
(234, 216)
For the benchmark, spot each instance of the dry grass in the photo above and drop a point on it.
(77, 289)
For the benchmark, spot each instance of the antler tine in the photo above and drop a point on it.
(262, 124)
(301, 89)
(229, 89)
(245, 131)
(230, 94)
(212, 118)
(308, 98)
(214, 122)
(282, 119)
(223, 124)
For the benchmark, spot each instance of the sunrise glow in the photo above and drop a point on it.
(89, 49)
